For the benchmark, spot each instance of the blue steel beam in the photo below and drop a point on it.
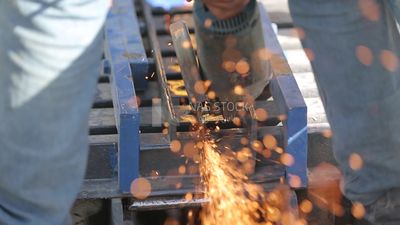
(289, 99)
(126, 55)
(123, 29)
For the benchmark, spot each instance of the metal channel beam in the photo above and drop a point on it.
(160, 70)
(124, 48)
(290, 102)
(123, 28)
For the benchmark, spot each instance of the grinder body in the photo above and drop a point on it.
(232, 52)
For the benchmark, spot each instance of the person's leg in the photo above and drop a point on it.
(354, 46)
(49, 62)
(385, 211)
(395, 7)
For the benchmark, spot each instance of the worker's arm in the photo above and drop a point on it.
(225, 9)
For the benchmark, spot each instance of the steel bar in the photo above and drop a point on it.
(160, 69)
(166, 203)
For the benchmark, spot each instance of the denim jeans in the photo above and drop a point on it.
(394, 6)
(355, 46)
(385, 211)
(50, 54)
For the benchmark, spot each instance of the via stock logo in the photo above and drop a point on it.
(160, 115)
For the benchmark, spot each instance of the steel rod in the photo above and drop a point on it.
(171, 203)
(160, 69)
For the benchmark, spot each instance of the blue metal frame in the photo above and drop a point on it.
(127, 58)
(122, 27)
(290, 101)
(287, 95)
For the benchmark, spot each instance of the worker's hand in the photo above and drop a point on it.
(225, 9)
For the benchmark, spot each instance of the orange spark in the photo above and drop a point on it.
(389, 60)
(355, 162)
(242, 67)
(233, 198)
(358, 210)
(175, 146)
(140, 188)
(364, 54)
